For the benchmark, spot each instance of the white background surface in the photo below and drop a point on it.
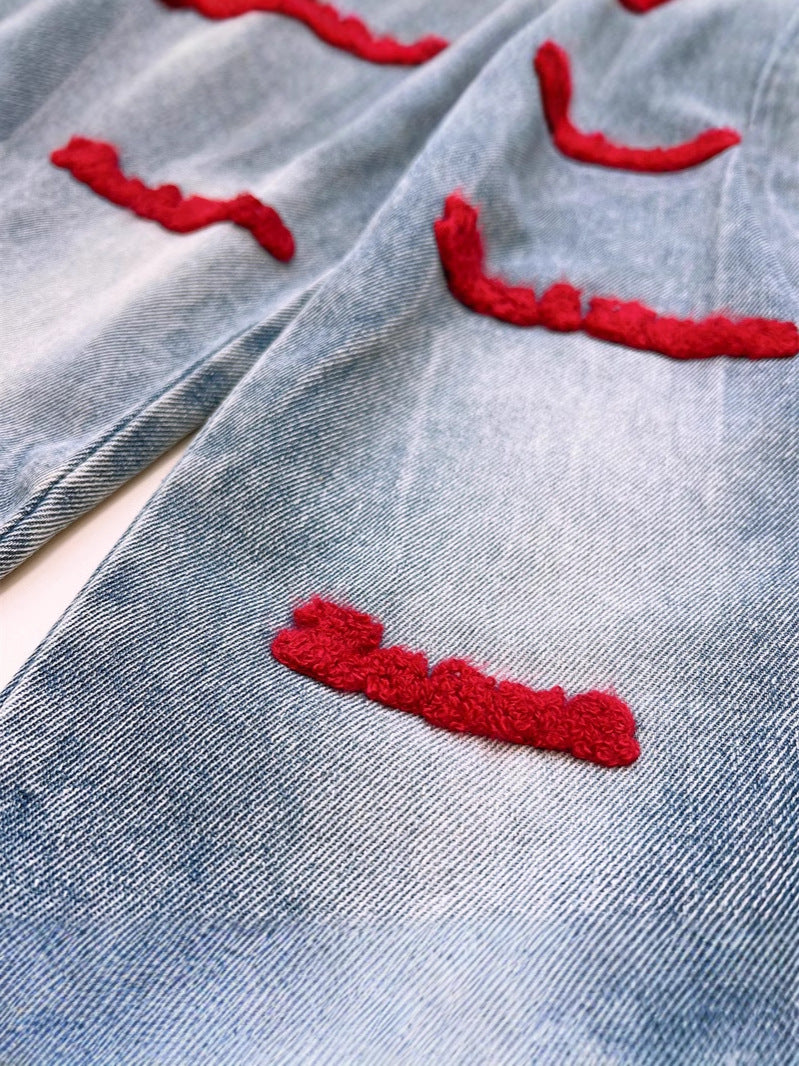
(35, 595)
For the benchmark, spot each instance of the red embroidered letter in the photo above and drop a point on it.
(96, 164)
(461, 251)
(554, 78)
(348, 33)
(341, 648)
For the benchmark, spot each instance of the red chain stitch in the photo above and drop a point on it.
(348, 33)
(340, 647)
(460, 248)
(554, 77)
(96, 164)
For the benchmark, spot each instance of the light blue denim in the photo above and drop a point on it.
(206, 858)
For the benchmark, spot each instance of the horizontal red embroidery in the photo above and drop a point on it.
(348, 33)
(340, 647)
(96, 164)
(640, 7)
(460, 248)
(554, 78)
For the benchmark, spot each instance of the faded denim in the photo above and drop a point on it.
(209, 859)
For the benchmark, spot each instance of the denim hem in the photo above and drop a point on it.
(139, 438)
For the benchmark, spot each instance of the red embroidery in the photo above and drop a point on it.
(554, 78)
(341, 648)
(638, 326)
(460, 248)
(348, 33)
(96, 164)
(640, 7)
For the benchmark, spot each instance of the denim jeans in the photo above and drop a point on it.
(208, 858)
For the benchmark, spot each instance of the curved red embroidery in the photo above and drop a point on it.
(554, 78)
(341, 648)
(460, 248)
(96, 164)
(640, 7)
(348, 33)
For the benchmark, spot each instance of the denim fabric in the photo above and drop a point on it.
(206, 858)
(120, 338)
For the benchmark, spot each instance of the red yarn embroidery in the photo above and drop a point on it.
(640, 7)
(348, 33)
(96, 164)
(341, 648)
(460, 248)
(554, 78)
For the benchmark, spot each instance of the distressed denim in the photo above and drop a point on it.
(207, 858)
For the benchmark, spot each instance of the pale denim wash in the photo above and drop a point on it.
(208, 859)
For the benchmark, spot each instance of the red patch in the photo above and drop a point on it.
(341, 648)
(96, 164)
(348, 33)
(554, 78)
(460, 247)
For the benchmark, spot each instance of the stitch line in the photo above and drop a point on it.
(95, 447)
(143, 411)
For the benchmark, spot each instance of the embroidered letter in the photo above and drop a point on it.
(554, 78)
(341, 648)
(460, 248)
(96, 164)
(348, 33)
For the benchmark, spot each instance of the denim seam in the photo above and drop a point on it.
(83, 457)
(33, 505)
(761, 90)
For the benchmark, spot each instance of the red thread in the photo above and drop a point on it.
(640, 7)
(96, 164)
(460, 248)
(348, 33)
(554, 77)
(340, 647)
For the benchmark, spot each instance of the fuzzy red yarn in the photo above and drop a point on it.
(639, 326)
(554, 77)
(346, 32)
(340, 647)
(460, 248)
(640, 7)
(96, 164)
(560, 308)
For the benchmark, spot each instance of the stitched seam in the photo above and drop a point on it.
(116, 430)
(761, 90)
